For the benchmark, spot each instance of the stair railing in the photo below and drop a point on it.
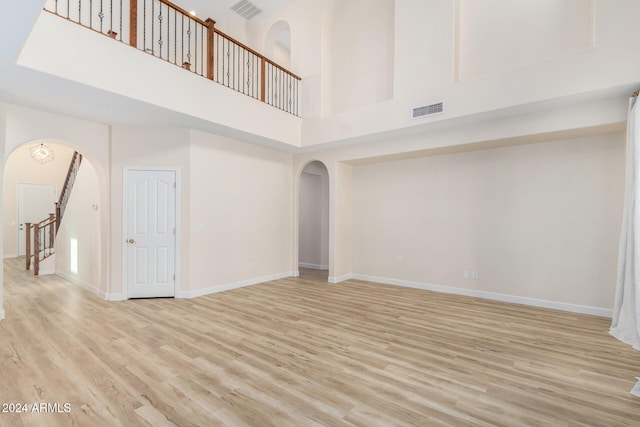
(41, 236)
(168, 32)
(70, 179)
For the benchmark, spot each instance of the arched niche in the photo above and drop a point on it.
(278, 44)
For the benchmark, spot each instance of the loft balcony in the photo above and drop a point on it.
(168, 32)
(150, 59)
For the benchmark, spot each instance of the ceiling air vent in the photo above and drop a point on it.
(427, 110)
(246, 9)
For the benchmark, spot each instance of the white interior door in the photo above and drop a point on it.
(150, 227)
(35, 203)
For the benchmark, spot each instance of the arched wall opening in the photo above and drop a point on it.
(313, 218)
(79, 240)
(278, 44)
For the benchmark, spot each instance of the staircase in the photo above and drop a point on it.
(41, 236)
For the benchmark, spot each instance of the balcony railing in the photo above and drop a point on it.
(172, 34)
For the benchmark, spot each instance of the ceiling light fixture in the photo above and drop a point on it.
(41, 153)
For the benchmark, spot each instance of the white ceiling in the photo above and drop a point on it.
(220, 10)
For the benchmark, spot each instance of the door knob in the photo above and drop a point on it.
(131, 241)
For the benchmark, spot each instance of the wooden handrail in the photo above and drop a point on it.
(28, 244)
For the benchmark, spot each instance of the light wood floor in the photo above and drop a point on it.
(301, 352)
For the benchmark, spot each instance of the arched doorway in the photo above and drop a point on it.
(313, 221)
(76, 252)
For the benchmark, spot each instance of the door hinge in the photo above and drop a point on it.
(174, 185)
(174, 277)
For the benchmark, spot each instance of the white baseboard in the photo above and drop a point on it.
(48, 271)
(313, 266)
(7, 256)
(110, 297)
(233, 285)
(81, 283)
(90, 287)
(573, 308)
(338, 279)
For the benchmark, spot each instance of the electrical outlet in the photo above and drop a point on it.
(399, 259)
(465, 274)
(475, 275)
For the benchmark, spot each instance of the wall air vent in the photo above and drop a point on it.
(246, 9)
(427, 110)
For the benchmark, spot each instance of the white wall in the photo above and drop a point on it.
(240, 213)
(341, 223)
(616, 20)
(520, 33)
(81, 223)
(21, 168)
(559, 65)
(537, 221)
(155, 148)
(358, 61)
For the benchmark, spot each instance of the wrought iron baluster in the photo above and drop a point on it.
(202, 42)
(189, 44)
(153, 19)
(290, 94)
(160, 31)
(234, 65)
(111, 16)
(195, 48)
(297, 97)
(144, 25)
(101, 15)
(228, 73)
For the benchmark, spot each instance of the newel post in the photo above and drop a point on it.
(36, 249)
(27, 232)
(52, 229)
(133, 23)
(210, 32)
(57, 216)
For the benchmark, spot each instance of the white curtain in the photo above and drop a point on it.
(625, 324)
